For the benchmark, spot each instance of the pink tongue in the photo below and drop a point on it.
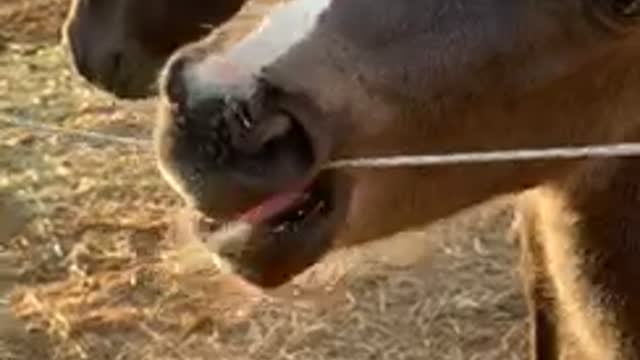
(274, 205)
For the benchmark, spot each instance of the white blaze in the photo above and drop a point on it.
(287, 25)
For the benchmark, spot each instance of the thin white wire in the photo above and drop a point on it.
(628, 149)
(38, 126)
(554, 153)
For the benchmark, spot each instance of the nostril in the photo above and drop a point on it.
(116, 63)
(79, 58)
(277, 127)
(111, 68)
(251, 138)
(275, 150)
(82, 66)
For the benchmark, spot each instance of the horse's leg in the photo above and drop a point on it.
(537, 290)
(588, 233)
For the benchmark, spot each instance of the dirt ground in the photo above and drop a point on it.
(91, 267)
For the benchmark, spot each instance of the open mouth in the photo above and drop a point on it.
(289, 211)
(291, 231)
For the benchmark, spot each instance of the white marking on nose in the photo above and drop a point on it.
(215, 77)
(286, 26)
(230, 72)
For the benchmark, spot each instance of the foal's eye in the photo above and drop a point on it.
(626, 8)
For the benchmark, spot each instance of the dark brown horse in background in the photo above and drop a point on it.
(120, 45)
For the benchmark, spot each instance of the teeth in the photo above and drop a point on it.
(209, 224)
(245, 122)
(319, 206)
(309, 205)
(280, 228)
